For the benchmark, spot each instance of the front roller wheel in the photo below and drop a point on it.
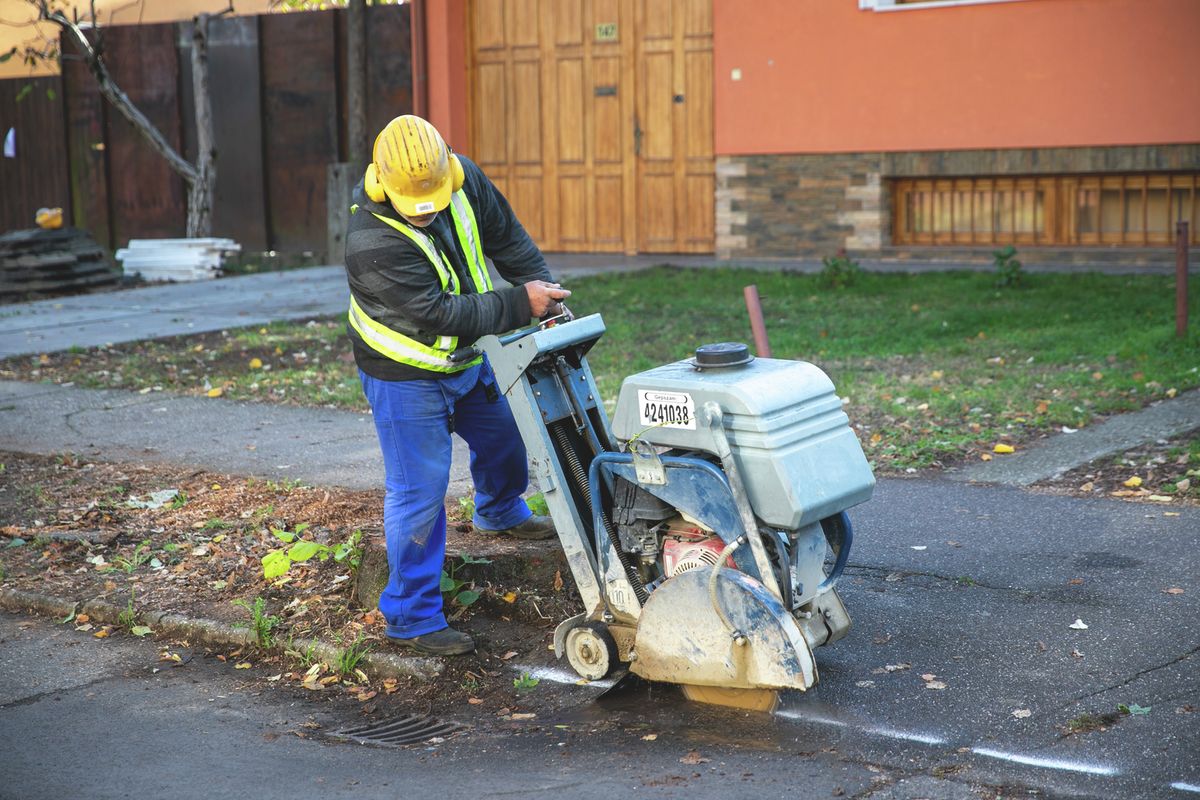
(591, 650)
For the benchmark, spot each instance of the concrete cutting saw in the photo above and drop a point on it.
(706, 528)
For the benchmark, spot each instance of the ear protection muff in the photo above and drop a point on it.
(457, 176)
(372, 186)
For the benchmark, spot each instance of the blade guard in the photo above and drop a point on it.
(682, 639)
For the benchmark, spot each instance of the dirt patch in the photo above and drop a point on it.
(1162, 473)
(72, 529)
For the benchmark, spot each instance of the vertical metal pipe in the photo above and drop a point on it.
(757, 325)
(1181, 279)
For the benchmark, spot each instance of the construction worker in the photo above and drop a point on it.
(422, 221)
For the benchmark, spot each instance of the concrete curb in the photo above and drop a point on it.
(1064, 452)
(214, 633)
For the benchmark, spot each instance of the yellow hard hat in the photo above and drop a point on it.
(412, 166)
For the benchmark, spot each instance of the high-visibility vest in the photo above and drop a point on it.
(405, 349)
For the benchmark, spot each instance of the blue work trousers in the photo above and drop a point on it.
(413, 420)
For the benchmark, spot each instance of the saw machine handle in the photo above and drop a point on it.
(473, 351)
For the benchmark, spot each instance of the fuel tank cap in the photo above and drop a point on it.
(721, 355)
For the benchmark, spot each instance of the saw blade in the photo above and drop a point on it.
(746, 699)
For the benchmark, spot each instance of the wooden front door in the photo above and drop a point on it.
(594, 117)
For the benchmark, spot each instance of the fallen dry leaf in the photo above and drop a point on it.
(693, 757)
(1173, 590)
(985, 456)
(509, 655)
(216, 391)
(935, 685)
(558, 581)
(1022, 713)
(242, 665)
(1003, 448)
(1159, 498)
(472, 700)
(1133, 482)
(365, 696)
(928, 676)
(102, 633)
(523, 715)
(649, 737)
(509, 597)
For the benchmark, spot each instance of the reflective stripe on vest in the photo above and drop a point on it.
(468, 238)
(401, 348)
(405, 349)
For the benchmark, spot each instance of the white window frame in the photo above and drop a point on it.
(890, 5)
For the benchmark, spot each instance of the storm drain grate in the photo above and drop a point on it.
(408, 729)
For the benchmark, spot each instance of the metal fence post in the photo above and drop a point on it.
(1181, 279)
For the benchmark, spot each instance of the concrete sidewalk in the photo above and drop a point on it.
(1065, 451)
(153, 312)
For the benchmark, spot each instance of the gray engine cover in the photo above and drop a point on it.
(793, 444)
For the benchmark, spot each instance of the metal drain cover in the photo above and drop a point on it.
(399, 731)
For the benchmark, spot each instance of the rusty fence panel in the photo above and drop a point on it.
(86, 148)
(239, 203)
(149, 200)
(389, 65)
(300, 124)
(37, 176)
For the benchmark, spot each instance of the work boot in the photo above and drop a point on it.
(536, 527)
(446, 642)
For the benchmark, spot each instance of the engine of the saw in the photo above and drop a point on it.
(706, 529)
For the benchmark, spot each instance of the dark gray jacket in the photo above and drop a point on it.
(396, 285)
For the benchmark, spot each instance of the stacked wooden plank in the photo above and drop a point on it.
(176, 259)
(37, 261)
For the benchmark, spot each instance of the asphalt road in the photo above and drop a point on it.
(990, 616)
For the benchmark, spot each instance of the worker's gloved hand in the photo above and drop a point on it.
(544, 297)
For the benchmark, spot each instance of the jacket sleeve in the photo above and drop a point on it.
(505, 240)
(394, 282)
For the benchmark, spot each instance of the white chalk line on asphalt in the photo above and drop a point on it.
(556, 675)
(1048, 763)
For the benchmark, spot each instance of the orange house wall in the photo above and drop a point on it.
(821, 76)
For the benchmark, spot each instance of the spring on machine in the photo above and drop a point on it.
(579, 476)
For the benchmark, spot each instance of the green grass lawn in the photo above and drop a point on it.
(936, 367)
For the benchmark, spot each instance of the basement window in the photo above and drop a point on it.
(1136, 210)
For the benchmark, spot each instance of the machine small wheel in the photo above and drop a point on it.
(592, 651)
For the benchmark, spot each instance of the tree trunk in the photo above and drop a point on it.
(356, 83)
(200, 194)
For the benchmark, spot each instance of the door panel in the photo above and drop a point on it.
(595, 119)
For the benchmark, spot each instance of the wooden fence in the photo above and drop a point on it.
(278, 88)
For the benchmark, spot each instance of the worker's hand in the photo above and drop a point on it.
(544, 297)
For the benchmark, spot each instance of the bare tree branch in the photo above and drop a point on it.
(114, 95)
